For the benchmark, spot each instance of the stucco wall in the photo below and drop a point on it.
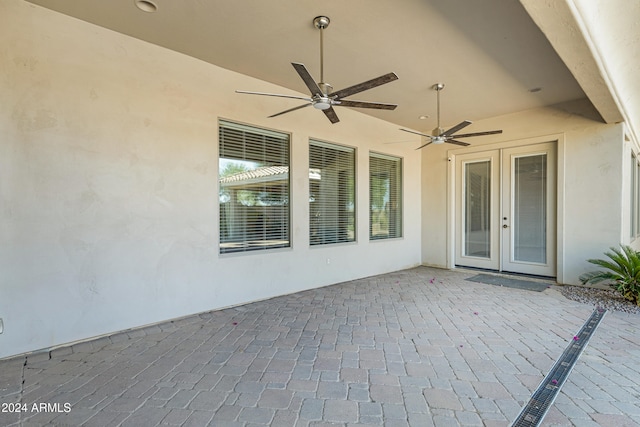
(108, 185)
(610, 27)
(590, 177)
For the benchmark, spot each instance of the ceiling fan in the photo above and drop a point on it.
(440, 136)
(322, 95)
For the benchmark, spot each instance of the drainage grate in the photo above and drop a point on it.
(537, 407)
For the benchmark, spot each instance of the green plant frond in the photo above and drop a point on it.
(615, 267)
(618, 252)
(610, 261)
(621, 259)
(616, 255)
(629, 252)
(633, 257)
(595, 277)
(634, 261)
(626, 261)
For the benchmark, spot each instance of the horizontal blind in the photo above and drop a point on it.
(636, 197)
(331, 193)
(385, 196)
(633, 197)
(253, 188)
(637, 201)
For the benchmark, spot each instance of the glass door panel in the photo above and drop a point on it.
(477, 209)
(530, 208)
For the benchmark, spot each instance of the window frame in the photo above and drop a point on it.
(394, 215)
(633, 202)
(637, 197)
(319, 231)
(260, 220)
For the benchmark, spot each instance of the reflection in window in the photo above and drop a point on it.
(253, 188)
(331, 193)
(385, 196)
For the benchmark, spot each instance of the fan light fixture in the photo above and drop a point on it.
(322, 104)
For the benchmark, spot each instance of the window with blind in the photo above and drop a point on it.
(636, 200)
(634, 196)
(253, 188)
(331, 193)
(385, 196)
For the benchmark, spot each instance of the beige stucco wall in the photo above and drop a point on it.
(108, 185)
(611, 27)
(591, 170)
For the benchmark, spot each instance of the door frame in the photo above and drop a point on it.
(492, 157)
(559, 140)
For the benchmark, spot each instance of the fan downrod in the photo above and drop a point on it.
(322, 22)
(438, 130)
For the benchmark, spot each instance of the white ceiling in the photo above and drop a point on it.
(488, 53)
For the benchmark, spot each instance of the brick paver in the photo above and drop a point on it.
(420, 347)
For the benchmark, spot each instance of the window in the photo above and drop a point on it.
(331, 193)
(253, 188)
(633, 202)
(636, 198)
(385, 196)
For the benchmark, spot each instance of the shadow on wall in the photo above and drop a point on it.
(579, 107)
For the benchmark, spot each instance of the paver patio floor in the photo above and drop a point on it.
(419, 347)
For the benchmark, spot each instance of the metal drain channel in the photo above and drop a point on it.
(544, 396)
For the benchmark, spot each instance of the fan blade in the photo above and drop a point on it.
(456, 128)
(331, 115)
(422, 146)
(289, 110)
(453, 141)
(365, 104)
(467, 135)
(275, 94)
(308, 80)
(361, 87)
(417, 133)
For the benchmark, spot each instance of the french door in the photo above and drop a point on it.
(505, 210)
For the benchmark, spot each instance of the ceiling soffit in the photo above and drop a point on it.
(490, 54)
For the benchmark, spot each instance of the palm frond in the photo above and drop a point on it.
(595, 277)
(614, 267)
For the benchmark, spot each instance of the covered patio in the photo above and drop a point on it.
(418, 347)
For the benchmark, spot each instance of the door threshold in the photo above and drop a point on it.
(506, 273)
